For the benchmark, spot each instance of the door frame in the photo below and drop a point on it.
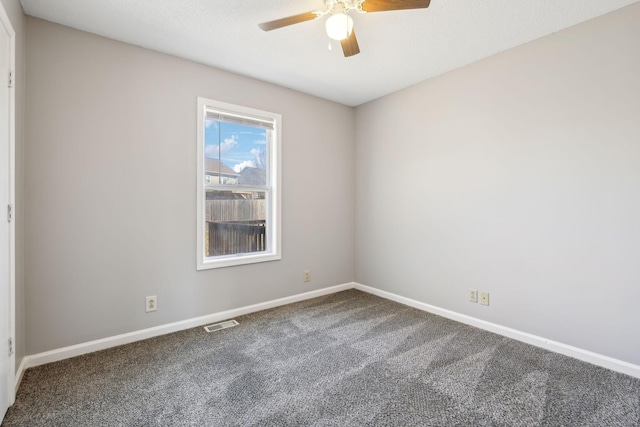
(4, 18)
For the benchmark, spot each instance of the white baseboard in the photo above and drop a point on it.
(557, 347)
(104, 343)
(18, 376)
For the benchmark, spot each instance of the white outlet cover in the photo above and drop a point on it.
(151, 304)
(484, 298)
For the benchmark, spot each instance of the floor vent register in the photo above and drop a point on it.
(220, 326)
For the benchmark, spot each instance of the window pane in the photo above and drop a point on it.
(235, 154)
(238, 185)
(235, 222)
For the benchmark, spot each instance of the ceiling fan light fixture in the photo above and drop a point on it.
(339, 26)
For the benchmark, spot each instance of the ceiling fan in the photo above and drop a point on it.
(340, 25)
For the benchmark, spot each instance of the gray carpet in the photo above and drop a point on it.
(348, 359)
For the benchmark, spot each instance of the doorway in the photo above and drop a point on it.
(7, 223)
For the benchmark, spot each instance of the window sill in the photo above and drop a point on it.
(240, 259)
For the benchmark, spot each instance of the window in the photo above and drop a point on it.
(238, 185)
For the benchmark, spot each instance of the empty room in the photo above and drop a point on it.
(320, 213)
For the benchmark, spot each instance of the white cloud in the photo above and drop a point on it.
(228, 144)
(258, 153)
(246, 164)
(213, 151)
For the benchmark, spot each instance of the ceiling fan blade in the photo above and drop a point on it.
(350, 45)
(290, 20)
(384, 5)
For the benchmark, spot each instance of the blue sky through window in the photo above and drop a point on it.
(236, 146)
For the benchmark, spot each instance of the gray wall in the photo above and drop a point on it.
(518, 175)
(18, 21)
(110, 187)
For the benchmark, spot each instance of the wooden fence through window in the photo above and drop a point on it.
(235, 226)
(227, 238)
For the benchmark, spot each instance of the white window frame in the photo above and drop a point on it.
(273, 158)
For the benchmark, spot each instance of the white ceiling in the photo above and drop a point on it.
(398, 48)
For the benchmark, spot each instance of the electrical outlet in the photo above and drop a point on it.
(306, 275)
(484, 298)
(473, 295)
(152, 304)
